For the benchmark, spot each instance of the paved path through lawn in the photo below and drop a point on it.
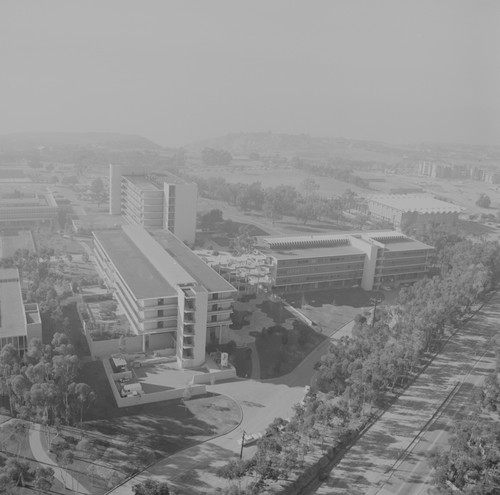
(35, 439)
(192, 471)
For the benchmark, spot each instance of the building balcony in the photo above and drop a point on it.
(189, 295)
(157, 318)
(219, 310)
(225, 299)
(141, 307)
(225, 321)
(188, 330)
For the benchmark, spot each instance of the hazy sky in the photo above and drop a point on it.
(179, 71)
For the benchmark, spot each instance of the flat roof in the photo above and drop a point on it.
(12, 317)
(27, 201)
(11, 241)
(334, 244)
(420, 203)
(154, 181)
(195, 266)
(306, 241)
(396, 241)
(143, 183)
(407, 246)
(139, 274)
(313, 252)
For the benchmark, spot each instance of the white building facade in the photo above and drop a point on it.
(155, 201)
(166, 292)
(19, 322)
(322, 261)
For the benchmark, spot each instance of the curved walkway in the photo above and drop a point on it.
(35, 439)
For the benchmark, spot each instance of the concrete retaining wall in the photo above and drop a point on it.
(146, 398)
(218, 374)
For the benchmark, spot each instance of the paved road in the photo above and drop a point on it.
(367, 466)
(412, 476)
(41, 456)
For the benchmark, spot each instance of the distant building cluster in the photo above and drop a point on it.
(155, 201)
(445, 171)
(416, 212)
(19, 322)
(335, 261)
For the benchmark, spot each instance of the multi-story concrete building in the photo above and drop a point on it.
(19, 322)
(320, 261)
(170, 296)
(25, 211)
(416, 212)
(155, 201)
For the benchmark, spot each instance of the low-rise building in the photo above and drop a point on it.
(321, 261)
(416, 212)
(170, 296)
(19, 322)
(25, 211)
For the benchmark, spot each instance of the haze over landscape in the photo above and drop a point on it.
(249, 247)
(177, 72)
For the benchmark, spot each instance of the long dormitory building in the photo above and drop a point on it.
(19, 322)
(170, 296)
(321, 261)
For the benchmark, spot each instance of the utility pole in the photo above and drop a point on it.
(242, 443)
(374, 301)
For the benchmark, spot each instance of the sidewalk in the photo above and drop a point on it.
(41, 456)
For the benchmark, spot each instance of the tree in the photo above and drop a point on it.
(484, 201)
(309, 186)
(472, 464)
(151, 487)
(244, 241)
(43, 479)
(213, 157)
(98, 191)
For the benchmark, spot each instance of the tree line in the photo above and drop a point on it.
(471, 463)
(42, 384)
(329, 169)
(384, 353)
(276, 202)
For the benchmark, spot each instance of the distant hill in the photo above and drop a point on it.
(102, 140)
(266, 143)
(353, 151)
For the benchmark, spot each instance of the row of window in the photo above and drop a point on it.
(310, 261)
(320, 269)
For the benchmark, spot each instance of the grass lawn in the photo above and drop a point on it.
(331, 310)
(126, 440)
(164, 427)
(15, 443)
(281, 349)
